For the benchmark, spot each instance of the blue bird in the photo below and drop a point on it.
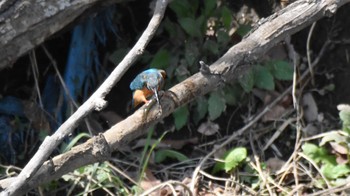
(146, 84)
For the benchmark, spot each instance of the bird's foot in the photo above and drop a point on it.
(150, 103)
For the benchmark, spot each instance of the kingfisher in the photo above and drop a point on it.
(146, 84)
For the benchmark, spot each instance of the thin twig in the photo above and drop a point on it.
(246, 188)
(257, 164)
(34, 65)
(64, 86)
(297, 143)
(121, 173)
(332, 190)
(295, 77)
(294, 157)
(278, 132)
(321, 135)
(316, 167)
(308, 52)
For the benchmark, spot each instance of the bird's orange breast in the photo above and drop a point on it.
(140, 96)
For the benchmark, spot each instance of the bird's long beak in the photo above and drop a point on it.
(156, 93)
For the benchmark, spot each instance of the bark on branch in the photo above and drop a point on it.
(228, 68)
(25, 24)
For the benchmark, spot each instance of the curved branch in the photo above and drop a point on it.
(95, 102)
(228, 68)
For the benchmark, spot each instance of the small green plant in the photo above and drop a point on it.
(96, 176)
(264, 76)
(89, 178)
(231, 160)
(333, 152)
(74, 141)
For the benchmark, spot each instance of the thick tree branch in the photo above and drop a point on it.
(25, 24)
(230, 67)
(95, 102)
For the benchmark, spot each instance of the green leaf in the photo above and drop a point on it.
(344, 115)
(201, 109)
(181, 117)
(230, 95)
(318, 154)
(202, 24)
(211, 46)
(223, 37)
(232, 159)
(263, 78)
(216, 105)
(161, 59)
(102, 174)
(161, 155)
(191, 53)
(190, 26)
(172, 28)
(335, 171)
(243, 30)
(247, 81)
(227, 17)
(181, 8)
(282, 70)
(209, 6)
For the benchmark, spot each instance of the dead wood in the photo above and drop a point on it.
(26, 24)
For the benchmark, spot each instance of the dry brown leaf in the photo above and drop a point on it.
(219, 153)
(274, 164)
(310, 129)
(310, 108)
(341, 159)
(278, 110)
(277, 52)
(149, 181)
(339, 148)
(208, 128)
(275, 113)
